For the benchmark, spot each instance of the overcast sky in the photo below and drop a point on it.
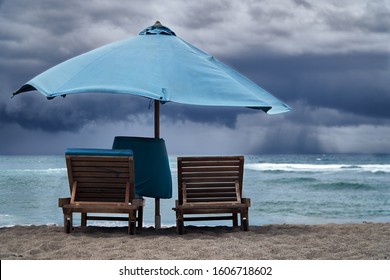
(329, 60)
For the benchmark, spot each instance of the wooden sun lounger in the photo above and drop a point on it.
(101, 181)
(211, 185)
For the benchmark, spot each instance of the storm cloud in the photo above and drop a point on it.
(329, 60)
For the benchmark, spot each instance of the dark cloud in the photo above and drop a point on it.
(300, 140)
(74, 112)
(303, 3)
(197, 14)
(352, 83)
(71, 113)
(225, 116)
(374, 17)
(328, 60)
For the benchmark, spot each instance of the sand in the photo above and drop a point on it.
(364, 241)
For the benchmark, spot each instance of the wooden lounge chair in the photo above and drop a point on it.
(101, 181)
(211, 185)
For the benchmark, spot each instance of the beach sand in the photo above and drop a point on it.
(270, 242)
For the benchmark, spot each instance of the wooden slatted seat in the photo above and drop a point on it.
(211, 185)
(101, 181)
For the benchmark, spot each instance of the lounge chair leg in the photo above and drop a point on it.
(67, 226)
(132, 222)
(131, 229)
(179, 221)
(244, 221)
(71, 222)
(140, 218)
(68, 223)
(245, 225)
(180, 227)
(83, 219)
(235, 220)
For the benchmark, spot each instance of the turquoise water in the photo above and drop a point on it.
(309, 189)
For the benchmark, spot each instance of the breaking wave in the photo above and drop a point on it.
(298, 167)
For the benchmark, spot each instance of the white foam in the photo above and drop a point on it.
(49, 170)
(291, 167)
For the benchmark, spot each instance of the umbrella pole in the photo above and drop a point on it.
(157, 216)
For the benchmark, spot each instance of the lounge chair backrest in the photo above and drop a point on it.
(205, 180)
(100, 177)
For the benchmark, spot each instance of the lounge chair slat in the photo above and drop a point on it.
(211, 184)
(211, 196)
(100, 193)
(210, 169)
(209, 163)
(234, 175)
(96, 163)
(101, 180)
(112, 184)
(210, 190)
(103, 174)
(211, 199)
(99, 198)
(210, 180)
(100, 169)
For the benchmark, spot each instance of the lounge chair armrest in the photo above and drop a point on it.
(138, 202)
(63, 201)
(177, 205)
(246, 201)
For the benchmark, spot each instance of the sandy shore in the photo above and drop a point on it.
(333, 242)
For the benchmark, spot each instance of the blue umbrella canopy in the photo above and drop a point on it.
(159, 65)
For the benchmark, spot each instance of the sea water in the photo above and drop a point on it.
(294, 189)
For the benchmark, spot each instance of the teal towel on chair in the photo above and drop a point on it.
(151, 165)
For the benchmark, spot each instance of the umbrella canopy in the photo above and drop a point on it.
(159, 65)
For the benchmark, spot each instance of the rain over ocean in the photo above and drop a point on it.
(293, 189)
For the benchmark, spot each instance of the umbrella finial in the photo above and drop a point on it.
(157, 28)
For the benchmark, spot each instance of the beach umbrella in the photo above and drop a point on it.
(158, 65)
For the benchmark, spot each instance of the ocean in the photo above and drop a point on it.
(293, 189)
